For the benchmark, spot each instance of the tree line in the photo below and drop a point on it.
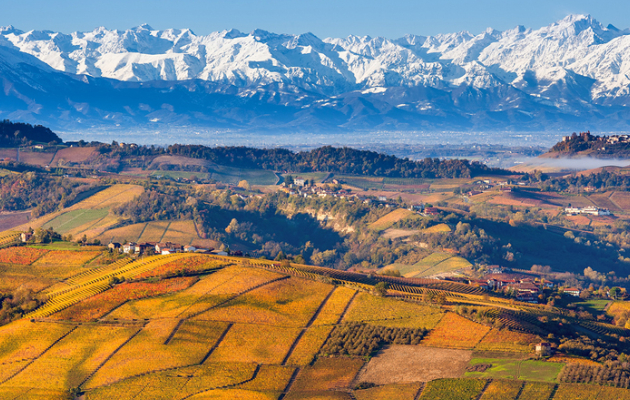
(339, 160)
(17, 133)
(43, 193)
(602, 180)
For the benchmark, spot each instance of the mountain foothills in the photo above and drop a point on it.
(190, 272)
(572, 71)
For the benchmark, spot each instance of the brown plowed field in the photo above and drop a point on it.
(13, 219)
(36, 157)
(621, 199)
(603, 201)
(73, 155)
(9, 154)
(400, 363)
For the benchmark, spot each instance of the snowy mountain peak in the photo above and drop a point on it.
(144, 27)
(232, 34)
(4, 30)
(573, 18)
(579, 25)
(571, 65)
(262, 35)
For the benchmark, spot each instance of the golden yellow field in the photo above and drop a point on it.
(618, 307)
(147, 352)
(505, 340)
(289, 302)
(176, 383)
(209, 291)
(270, 378)
(67, 258)
(589, 392)
(112, 196)
(391, 392)
(234, 394)
(560, 358)
(182, 232)
(536, 391)
(12, 368)
(437, 229)
(456, 332)
(425, 268)
(502, 390)
(154, 231)
(12, 279)
(327, 374)
(32, 393)
(390, 219)
(264, 344)
(129, 233)
(24, 340)
(334, 307)
(309, 345)
(394, 313)
(72, 359)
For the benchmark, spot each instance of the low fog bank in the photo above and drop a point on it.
(576, 164)
(304, 140)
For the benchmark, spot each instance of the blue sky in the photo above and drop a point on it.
(324, 18)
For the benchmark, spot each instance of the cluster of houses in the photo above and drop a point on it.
(592, 210)
(160, 248)
(316, 191)
(302, 190)
(614, 139)
(526, 289)
(480, 186)
(587, 137)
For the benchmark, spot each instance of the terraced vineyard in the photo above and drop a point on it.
(412, 286)
(9, 238)
(602, 328)
(97, 281)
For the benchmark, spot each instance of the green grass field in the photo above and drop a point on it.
(593, 306)
(74, 219)
(506, 368)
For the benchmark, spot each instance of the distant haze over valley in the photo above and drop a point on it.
(518, 87)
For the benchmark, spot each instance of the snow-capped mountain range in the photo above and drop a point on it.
(573, 74)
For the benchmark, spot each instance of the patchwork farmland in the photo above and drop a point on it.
(201, 326)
